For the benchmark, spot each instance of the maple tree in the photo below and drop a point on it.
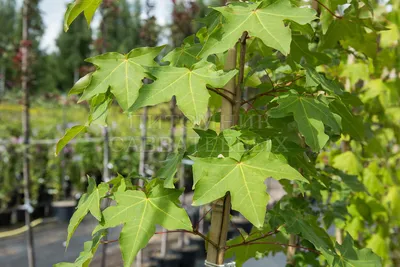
(289, 52)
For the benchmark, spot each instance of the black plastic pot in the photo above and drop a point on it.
(5, 218)
(38, 212)
(188, 254)
(199, 242)
(63, 210)
(170, 260)
(20, 215)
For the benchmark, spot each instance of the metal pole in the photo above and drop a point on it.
(26, 132)
(106, 138)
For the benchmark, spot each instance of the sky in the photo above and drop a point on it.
(53, 14)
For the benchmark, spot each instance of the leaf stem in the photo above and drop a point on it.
(237, 229)
(276, 89)
(327, 9)
(221, 94)
(196, 227)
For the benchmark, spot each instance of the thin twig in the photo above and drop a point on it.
(269, 93)
(196, 227)
(264, 236)
(270, 80)
(327, 9)
(277, 89)
(221, 94)
(227, 91)
(237, 229)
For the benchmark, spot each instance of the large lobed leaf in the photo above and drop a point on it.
(188, 85)
(349, 256)
(261, 19)
(140, 213)
(122, 74)
(310, 115)
(244, 179)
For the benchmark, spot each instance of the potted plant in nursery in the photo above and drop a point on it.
(64, 207)
(5, 211)
(296, 102)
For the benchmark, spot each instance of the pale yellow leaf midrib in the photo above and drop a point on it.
(248, 193)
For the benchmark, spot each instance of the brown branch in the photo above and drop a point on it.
(251, 106)
(227, 91)
(327, 9)
(221, 94)
(264, 235)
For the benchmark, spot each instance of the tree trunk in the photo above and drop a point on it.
(26, 131)
(221, 208)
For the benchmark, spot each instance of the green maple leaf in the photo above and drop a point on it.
(313, 78)
(350, 256)
(122, 74)
(140, 213)
(352, 124)
(170, 168)
(248, 251)
(299, 223)
(89, 202)
(310, 115)
(68, 136)
(299, 50)
(188, 85)
(87, 255)
(351, 32)
(184, 56)
(80, 85)
(99, 106)
(244, 179)
(262, 20)
(88, 7)
(211, 144)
